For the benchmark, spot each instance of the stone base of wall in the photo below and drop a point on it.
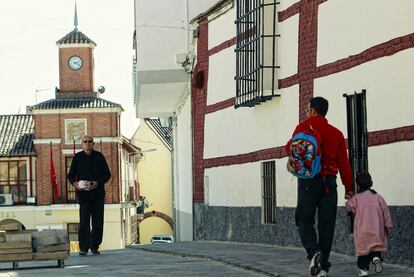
(243, 224)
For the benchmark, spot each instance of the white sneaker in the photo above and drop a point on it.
(363, 273)
(323, 273)
(315, 266)
(377, 264)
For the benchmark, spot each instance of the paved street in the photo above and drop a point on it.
(198, 258)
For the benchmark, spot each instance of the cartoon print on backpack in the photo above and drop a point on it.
(305, 157)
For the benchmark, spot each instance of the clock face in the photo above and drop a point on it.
(75, 62)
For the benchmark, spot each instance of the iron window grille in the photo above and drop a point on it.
(269, 192)
(70, 189)
(255, 52)
(73, 231)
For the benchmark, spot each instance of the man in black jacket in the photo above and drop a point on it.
(88, 173)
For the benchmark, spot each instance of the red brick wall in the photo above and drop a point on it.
(51, 126)
(78, 80)
(199, 103)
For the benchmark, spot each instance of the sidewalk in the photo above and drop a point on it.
(266, 259)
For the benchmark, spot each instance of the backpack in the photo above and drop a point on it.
(304, 158)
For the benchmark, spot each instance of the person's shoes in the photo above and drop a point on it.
(83, 253)
(96, 252)
(377, 264)
(315, 264)
(323, 273)
(363, 272)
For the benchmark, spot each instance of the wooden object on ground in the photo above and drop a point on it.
(16, 250)
(18, 237)
(51, 245)
(60, 255)
(52, 248)
(18, 246)
(16, 257)
(15, 244)
(49, 237)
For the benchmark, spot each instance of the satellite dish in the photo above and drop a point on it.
(101, 89)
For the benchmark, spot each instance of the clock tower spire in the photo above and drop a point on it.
(76, 64)
(75, 20)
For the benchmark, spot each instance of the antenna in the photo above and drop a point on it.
(40, 90)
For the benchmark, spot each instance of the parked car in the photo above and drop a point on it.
(161, 239)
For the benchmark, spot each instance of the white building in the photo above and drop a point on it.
(255, 69)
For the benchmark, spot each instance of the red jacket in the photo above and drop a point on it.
(334, 155)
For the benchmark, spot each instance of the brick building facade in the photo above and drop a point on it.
(50, 135)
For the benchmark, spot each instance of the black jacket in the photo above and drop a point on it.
(91, 167)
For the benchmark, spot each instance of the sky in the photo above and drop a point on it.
(29, 54)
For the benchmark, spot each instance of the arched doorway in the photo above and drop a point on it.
(13, 223)
(154, 223)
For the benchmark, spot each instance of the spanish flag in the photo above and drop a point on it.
(53, 174)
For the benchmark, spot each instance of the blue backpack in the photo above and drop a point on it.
(304, 158)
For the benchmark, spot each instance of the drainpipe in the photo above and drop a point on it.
(174, 173)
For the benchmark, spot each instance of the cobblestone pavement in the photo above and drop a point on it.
(198, 258)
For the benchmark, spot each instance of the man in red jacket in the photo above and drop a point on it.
(320, 192)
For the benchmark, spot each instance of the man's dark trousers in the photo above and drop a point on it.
(320, 194)
(91, 207)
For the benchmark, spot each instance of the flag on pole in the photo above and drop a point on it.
(53, 174)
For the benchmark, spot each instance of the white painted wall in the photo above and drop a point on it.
(349, 27)
(221, 72)
(389, 86)
(196, 7)
(390, 166)
(183, 183)
(235, 186)
(250, 129)
(161, 27)
(288, 43)
(222, 28)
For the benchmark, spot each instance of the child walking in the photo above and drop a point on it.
(372, 224)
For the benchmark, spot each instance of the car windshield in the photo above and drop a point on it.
(161, 239)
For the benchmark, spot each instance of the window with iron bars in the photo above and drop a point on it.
(73, 231)
(70, 189)
(269, 192)
(255, 52)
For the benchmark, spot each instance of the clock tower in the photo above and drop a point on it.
(76, 65)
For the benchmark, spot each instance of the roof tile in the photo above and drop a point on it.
(75, 37)
(164, 132)
(75, 103)
(16, 135)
